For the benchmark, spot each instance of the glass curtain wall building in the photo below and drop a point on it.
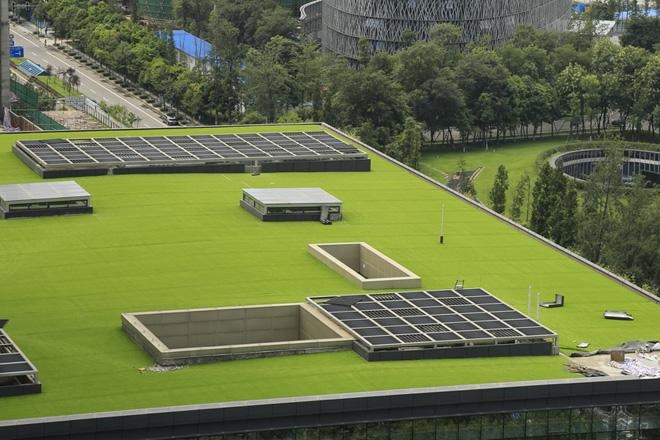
(641, 422)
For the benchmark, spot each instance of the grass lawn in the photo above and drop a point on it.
(57, 85)
(159, 242)
(518, 157)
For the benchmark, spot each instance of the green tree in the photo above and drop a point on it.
(544, 200)
(465, 185)
(364, 52)
(192, 14)
(563, 220)
(628, 64)
(277, 22)
(366, 96)
(642, 32)
(408, 38)
(601, 195)
(633, 244)
(647, 81)
(309, 68)
(407, 146)
(253, 117)
(223, 87)
(192, 98)
(418, 64)
(448, 36)
(605, 53)
(579, 94)
(484, 81)
(267, 84)
(497, 193)
(439, 104)
(520, 198)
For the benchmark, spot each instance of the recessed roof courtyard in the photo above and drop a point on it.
(180, 241)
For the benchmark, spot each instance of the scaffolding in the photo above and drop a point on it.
(158, 10)
(28, 107)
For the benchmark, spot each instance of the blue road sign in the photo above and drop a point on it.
(16, 52)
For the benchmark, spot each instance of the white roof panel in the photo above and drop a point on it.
(292, 196)
(42, 192)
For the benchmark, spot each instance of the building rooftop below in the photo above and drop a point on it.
(189, 44)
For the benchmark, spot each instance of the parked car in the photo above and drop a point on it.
(170, 120)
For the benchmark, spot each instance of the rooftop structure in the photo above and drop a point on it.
(228, 153)
(437, 324)
(180, 242)
(364, 266)
(287, 204)
(39, 199)
(18, 375)
(204, 335)
(30, 68)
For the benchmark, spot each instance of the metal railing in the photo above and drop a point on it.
(91, 108)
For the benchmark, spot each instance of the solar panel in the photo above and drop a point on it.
(429, 318)
(17, 374)
(61, 153)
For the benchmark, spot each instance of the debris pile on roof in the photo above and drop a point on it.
(634, 367)
(626, 347)
(585, 371)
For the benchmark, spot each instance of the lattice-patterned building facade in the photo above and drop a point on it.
(382, 22)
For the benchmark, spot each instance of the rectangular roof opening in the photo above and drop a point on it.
(202, 335)
(364, 266)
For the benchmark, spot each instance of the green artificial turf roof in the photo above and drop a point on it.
(173, 241)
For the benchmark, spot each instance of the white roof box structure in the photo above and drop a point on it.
(283, 204)
(38, 199)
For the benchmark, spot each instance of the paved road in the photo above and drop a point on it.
(92, 84)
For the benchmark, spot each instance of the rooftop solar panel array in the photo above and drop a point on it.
(12, 361)
(188, 149)
(17, 374)
(429, 318)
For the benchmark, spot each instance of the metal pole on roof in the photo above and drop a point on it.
(442, 225)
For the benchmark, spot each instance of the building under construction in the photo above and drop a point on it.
(154, 10)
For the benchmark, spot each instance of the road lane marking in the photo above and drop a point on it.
(96, 82)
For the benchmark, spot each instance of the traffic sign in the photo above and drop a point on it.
(16, 52)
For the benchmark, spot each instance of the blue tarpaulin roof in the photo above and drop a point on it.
(32, 69)
(188, 43)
